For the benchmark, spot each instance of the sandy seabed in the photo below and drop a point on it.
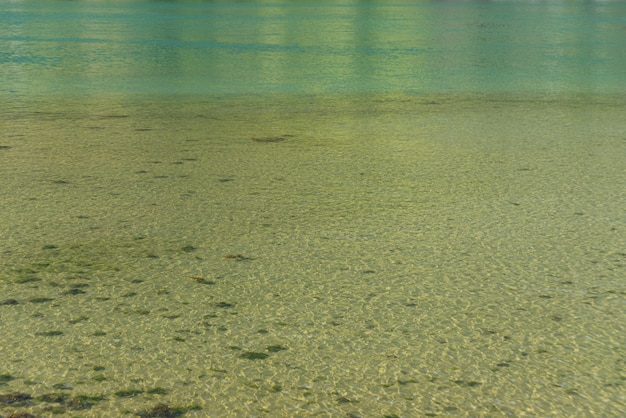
(331, 256)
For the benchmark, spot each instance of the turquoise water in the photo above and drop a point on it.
(285, 209)
(153, 47)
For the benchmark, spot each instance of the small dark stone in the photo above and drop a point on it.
(224, 305)
(78, 404)
(142, 311)
(202, 280)
(6, 377)
(157, 391)
(161, 411)
(464, 383)
(78, 319)
(9, 302)
(74, 291)
(252, 355)
(270, 139)
(15, 398)
(237, 257)
(275, 348)
(53, 397)
(128, 393)
(403, 382)
(80, 285)
(49, 333)
(21, 414)
(29, 279)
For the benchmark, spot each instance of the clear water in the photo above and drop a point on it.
(206, 48)
(313, 208)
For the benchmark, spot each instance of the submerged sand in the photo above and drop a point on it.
(330, 256)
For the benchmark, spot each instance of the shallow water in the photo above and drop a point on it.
(84, 47)
(232, 244)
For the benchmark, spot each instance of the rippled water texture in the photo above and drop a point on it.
(376, 209)
(89, 47)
